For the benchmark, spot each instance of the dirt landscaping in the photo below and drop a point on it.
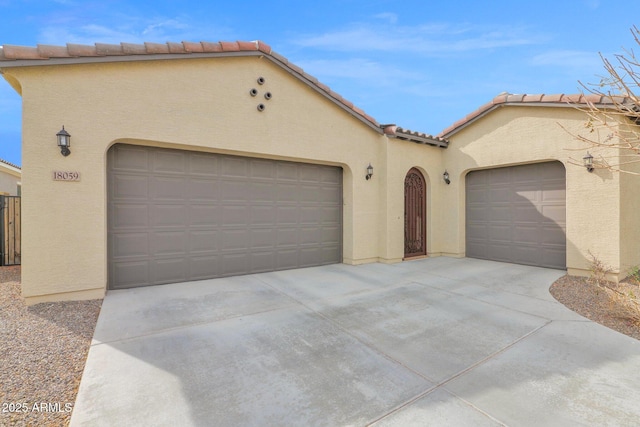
(609, 304)
(44, 347)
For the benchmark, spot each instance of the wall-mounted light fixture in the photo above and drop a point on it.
(445, 176)
(369, 172)
(64, 142)
(588, 162)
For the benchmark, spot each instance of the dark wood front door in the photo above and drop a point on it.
(415, 206)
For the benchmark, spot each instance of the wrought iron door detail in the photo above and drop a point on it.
(415, 242)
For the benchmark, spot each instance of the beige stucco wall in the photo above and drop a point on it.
(9, 180)
(197, 104)
(514, 135)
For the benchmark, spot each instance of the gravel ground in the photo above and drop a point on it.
(43, 351)
(593, 302)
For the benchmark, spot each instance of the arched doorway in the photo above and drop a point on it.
(415, 214)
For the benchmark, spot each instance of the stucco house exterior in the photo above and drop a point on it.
(10, 179)
(197, 160)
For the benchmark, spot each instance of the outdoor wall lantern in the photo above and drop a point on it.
(445, 176)
(64, 141)
(588, 162)
(369, 172)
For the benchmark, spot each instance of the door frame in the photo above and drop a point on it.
(416, 207)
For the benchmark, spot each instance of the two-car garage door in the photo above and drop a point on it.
(517, 214)
(177, 215)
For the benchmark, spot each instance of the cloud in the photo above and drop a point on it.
(428, 39)
(572, 59)
(72, 27)
(391, 18)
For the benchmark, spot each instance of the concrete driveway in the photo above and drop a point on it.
(437, 341)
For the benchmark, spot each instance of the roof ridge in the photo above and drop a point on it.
(541, 99)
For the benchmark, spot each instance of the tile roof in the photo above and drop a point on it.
(20, 56)
(10, 164)
(554, 100)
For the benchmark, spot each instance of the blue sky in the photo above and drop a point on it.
(419, 64)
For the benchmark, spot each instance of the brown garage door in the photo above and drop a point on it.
(176, 215)
(517, 214)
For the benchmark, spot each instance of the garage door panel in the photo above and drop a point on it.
(169, 162)
(168, 270)
(287, 215)
(262, 238)
(202, 190)
(287, 258)
(203, 215)
(233, 216)
(287, 172)
(263, 215)
(203, 267)
(517, 214)
(168, 243)
(551, 236)
(178, 215)
(168, 188)
(127, 216)
(129, 158)
(261, 262)
(287, 237)
(237, 239)
(165, 215)
(234, 167)
(263, 191)
(203, 165)
(201, 241)
(331, 215)
(557, 214)
(234, 263)
(131, 273)
(130, 187)
(130, 244)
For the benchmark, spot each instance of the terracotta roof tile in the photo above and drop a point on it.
(230, 46)
(21, 52)
(211, 47)
(105, 49)
(12, 55)
(156, 48)
(560, 100)
(80, 50)
(193, 47)
(263, 47)
(134, 49)
(176, 47)
(48, 51)
(247, 45)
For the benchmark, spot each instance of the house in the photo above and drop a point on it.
(9, 179)
(197, 160)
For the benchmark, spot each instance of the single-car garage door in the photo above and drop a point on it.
(517, 214)
(176, 215)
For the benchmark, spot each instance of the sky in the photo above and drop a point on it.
(419, 64)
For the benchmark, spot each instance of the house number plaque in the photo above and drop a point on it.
(66, 176)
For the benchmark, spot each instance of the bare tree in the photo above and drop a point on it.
(612, 107)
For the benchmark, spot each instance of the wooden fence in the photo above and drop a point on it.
(10, 230)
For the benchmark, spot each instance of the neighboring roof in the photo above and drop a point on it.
(22, 56)
(10, 167)
(542, 100)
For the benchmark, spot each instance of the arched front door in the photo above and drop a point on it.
(415, 215)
